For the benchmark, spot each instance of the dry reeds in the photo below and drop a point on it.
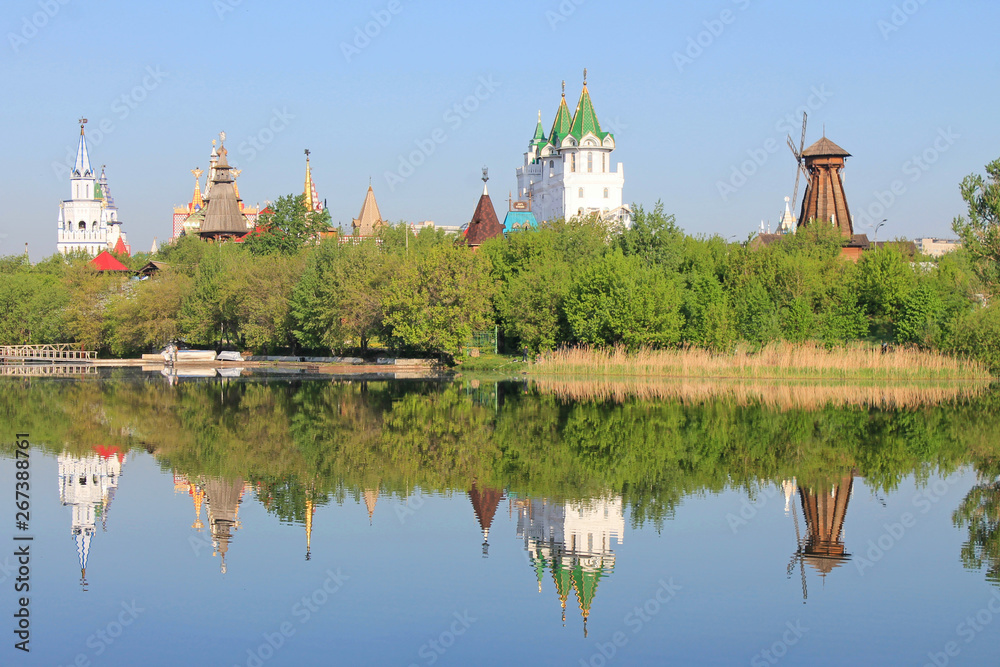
(774, 361)
(783, 395)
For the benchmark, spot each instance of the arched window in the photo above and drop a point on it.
(590, 162)
(604, 162)
(580, 193)
(93, 225)
(606, 193)
(552, 164)
(83, 226)
(572, 162)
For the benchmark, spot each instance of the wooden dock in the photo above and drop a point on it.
(58, 353)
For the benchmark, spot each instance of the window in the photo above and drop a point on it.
(590, 162)
(93, 225)
(605, 193)
(552, 164)
(83, 226)
(604, 162)
(572, 162)
(580, 194)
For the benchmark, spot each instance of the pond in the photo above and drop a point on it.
(303, 520)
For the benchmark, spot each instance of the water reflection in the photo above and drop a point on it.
(824, 510)
(979, 514)
(572, 540)
(88, 484)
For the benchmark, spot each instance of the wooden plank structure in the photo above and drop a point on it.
(46, 370)
(59, 352)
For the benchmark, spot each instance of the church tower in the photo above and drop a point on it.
(88, 220)
(570, 173)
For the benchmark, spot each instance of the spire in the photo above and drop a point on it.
(371, 497)
(562, 123)
(82, 167)
(539, 137)
(196, 201)
(486, 177)
(199, 497)
(310, 510)
(369, 220)
(585, 119)
(313, 202)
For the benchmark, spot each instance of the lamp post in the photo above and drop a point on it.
(878, 227)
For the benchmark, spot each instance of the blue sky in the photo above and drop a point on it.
(692, 92)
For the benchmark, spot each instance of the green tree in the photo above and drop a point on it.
(439, 298)
(980, 232)
(288, 227)
(148, 315)
(654, 237)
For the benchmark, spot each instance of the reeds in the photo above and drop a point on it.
(780, 395)
(773, 361)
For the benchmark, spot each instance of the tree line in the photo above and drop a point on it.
(567, 283)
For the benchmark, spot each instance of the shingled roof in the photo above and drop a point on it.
(825, 148)
(484, 225)
(222, 215)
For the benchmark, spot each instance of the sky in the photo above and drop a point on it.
(418, 97)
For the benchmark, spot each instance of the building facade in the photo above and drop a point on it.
(88, 220)
(570, 173)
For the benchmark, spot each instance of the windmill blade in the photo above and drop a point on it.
(796, 153)
(795, 193)
(802, 144)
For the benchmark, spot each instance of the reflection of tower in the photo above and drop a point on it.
(574, 540)
(485, 503)
(88, 483)
(371, 497)
(824, 511)
(223, 498)
(310, 510)
(182, 484)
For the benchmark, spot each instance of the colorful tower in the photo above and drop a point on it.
(313, 202)
(569, 173)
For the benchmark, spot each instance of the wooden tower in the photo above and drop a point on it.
(824, 201)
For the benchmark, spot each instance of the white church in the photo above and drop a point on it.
(88, 220)
(569, 172)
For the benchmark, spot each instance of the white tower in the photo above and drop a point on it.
(88, 220)
(570, 173)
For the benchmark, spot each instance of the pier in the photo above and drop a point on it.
(58, 353)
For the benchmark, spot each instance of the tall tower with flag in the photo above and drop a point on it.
(569, 172)
(88, 220)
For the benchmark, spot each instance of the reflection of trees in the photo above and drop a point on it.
(979, 513)
(314, 441)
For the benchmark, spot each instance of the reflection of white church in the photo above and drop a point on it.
(573, 541)
(569, 172)
(88, 484)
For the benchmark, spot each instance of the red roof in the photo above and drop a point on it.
(106, 452)
(120, 248)
(484, 223)
(106, 262)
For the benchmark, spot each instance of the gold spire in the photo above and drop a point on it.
(309, 527)
(198, 496)
(196, 200)
(310, 204)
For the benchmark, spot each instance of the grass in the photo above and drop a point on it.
(785, 361)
